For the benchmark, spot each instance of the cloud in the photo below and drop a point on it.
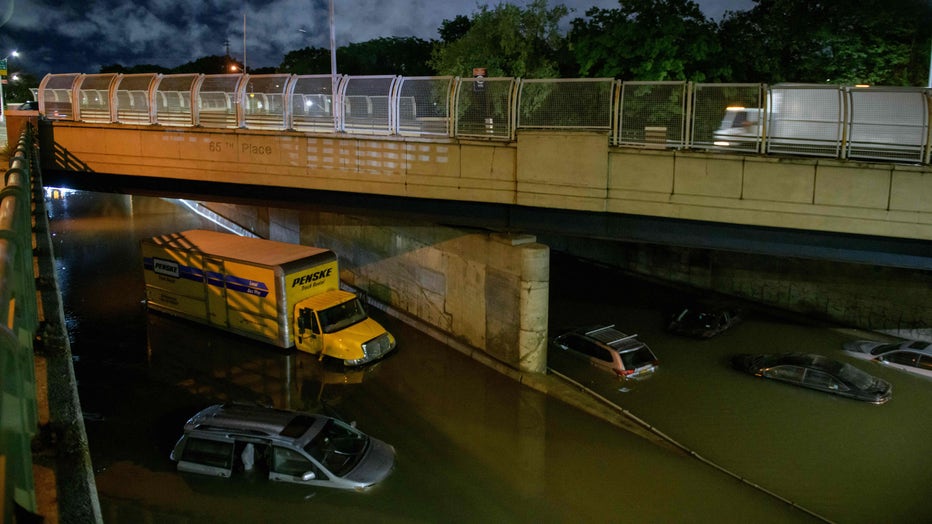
(83, 35)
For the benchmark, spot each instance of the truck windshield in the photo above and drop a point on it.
(341, 316)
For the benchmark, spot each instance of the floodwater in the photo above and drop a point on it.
(473, 446)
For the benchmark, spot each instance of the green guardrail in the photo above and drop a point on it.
(19, 321)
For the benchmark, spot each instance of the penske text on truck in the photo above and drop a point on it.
(284, 294)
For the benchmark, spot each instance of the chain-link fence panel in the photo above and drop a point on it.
(484, 108)
(312, 106)
(565, 104)
(173, 100)
(652, 114)
(805, 120)
(888, 124)
(264, 100)
(217, 102)
(366, 104)
(54, 96)
(727, 117)
(132, 98)
(94, 98)
(424, 105)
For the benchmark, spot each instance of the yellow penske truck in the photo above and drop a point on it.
(280, 293)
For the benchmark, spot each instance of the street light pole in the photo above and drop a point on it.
(333, 68)
(2, 72)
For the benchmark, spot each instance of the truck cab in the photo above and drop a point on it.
(336, 324)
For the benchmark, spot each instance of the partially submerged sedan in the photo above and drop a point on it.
(913, 356)
(817, 372)
(703, 321)
(281, 445)
(607, 348)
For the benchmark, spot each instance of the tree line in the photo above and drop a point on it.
(878, 42)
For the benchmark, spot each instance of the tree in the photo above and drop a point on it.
(507, 40)
(646, 40)
(209, 65)
(835, 41)
(452, 30)
(307, 61)
(407, 56)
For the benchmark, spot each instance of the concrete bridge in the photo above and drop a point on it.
(503, 154)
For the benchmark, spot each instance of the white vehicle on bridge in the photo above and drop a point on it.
(280, 293)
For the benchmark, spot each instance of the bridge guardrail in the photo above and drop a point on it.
(835, 121)
(19, 314)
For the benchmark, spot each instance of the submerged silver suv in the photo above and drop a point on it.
(286, 446)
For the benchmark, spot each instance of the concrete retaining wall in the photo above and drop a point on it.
(490, 290)
(891, 300)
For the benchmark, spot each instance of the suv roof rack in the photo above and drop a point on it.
(609, 335)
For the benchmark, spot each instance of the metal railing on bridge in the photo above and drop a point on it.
(848, 122)
(20, 321)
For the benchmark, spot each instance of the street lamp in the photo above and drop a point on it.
(3, 71)
(333, 65)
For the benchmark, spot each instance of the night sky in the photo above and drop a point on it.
(80, 36)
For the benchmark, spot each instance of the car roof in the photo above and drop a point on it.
(612, 338)
(249, 419)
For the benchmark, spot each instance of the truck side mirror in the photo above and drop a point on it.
(302, 320)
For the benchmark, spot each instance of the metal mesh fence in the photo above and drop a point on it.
(887, 124)
(652, 114)
(264, 101)
(216, 101)
(132, 99)
(424, 105)
(727, 117)
(484, 108)
(366, 104)
(312, 103)
(565, 104)
(94, 98)
(805, 120)
(173, 100)
(870, 123)
(55, 96)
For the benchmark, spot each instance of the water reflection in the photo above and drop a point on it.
(471, 444)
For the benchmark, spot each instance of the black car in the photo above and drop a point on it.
(703, 321)
(31, 105)
(817, 372)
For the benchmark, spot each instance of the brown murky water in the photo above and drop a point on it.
(471, 445)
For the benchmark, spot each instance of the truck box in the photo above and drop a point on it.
(255, 287)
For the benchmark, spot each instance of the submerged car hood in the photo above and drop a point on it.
(375, 465)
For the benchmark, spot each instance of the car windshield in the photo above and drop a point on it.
(337, 447)
(341, 316)
(883, 348)
(637, 358)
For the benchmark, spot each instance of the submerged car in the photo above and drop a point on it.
(608, 348)
(286, 446)
(817, 372)
(914, 356)
(703, 321)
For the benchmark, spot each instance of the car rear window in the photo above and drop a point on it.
(638, 358)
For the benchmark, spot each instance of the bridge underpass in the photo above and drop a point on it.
(574, 193)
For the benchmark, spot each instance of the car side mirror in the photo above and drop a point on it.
(309, 475)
